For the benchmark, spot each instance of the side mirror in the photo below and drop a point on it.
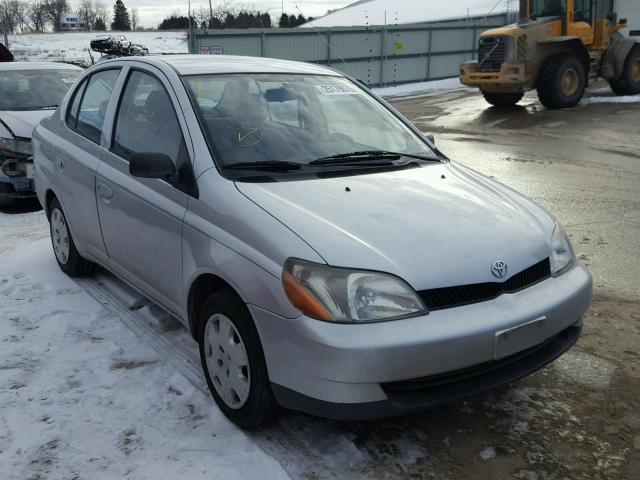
(622, 21)
(430, 137)
(152, 165)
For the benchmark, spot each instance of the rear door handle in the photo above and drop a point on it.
(104, 191)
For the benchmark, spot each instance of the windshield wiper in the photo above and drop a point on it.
(368, 156)
(272, 165)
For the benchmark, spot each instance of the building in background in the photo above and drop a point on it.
(71, 22)
(401, 12)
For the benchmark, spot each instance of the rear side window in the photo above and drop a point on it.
(72, 113)
(146, 120)
(93, 105)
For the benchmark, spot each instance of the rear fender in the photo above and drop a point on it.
(615, 57)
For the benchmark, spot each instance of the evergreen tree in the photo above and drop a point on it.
(284, 21)
(100, 24)
(121, 20)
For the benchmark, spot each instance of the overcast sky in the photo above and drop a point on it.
(152, 12)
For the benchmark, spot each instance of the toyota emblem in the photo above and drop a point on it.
(499, 269)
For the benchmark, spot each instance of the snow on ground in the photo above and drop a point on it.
(81, 396)
(74, 46)
(607, 98)
(411, 88)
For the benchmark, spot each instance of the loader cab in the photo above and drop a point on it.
(569, 17)
(570, 10)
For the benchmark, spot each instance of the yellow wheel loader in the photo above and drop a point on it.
(558, 47)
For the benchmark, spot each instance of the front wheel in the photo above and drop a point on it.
(502, 100)
(562, 82)
(233, 361)
(67, 255)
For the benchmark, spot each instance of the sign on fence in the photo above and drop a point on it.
(211, 50)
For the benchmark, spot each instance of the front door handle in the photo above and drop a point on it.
(105, 192)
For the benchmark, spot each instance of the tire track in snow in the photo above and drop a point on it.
(287, 440)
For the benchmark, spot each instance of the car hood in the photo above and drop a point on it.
(435, 226)
(21, 123)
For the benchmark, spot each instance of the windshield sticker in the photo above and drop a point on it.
(339, 90)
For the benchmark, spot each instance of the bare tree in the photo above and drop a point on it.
(37, 15)
(135, 21)
(55, 9)
(9, 14)
(87, 13)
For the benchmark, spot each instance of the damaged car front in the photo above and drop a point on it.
(29, 92)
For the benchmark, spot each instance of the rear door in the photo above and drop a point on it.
(77, 155)
(142, 218)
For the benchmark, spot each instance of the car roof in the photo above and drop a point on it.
(37, 66)
(217, 64)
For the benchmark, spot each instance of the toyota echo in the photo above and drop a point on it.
(327, 257)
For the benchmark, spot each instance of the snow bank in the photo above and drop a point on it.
(412, 88)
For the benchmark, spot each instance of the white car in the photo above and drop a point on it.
(29, 92)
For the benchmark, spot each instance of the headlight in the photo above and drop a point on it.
(22, 147)
(562, 256)
(344, 295)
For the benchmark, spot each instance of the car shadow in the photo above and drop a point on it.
(24, 205)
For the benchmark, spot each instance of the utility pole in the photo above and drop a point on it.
(210, 14)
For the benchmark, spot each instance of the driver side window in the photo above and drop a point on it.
(146, 120)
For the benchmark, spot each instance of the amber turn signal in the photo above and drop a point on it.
(303, 299)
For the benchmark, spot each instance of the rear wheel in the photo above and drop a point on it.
(502, 100)
(233, 361)
(562, 82)
(67, 256)
(629, 82)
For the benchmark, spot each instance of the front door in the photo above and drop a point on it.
(141, 219)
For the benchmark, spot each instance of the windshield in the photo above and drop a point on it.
(34, 89)
(548, 8)
(251, 119)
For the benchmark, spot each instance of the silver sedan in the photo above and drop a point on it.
(326, 256)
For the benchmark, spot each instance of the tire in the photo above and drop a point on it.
(248, 400)
(562, 82)
(502, 100)
(6, 201)
(629, 82)
(64, 248)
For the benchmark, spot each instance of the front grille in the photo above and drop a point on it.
(492, 53)
(448, 297)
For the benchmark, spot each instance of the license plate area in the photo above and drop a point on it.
(516, 339)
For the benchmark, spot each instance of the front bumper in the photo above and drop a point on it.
(511, 77)
(369, 370)
(17, 187)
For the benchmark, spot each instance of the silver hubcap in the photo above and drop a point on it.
(59, 236)
(227, 361)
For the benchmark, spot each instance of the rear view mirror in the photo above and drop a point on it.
(151, 165)
(280, 94)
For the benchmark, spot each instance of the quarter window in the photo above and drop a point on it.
(93, 105)
(146, 120)
(72, 113)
